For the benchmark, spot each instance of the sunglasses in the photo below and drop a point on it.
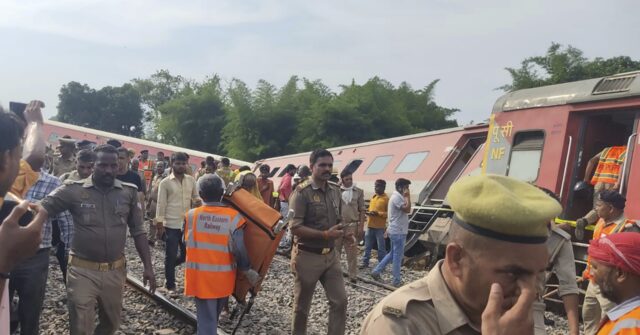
(325, 165)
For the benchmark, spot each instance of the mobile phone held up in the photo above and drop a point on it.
(18, 108)
(7, 207)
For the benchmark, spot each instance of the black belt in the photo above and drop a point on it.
(319, 251)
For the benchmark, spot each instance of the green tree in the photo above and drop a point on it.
(113, 109)
(195, 119)
(561, 65)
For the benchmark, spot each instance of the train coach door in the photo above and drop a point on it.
(631, 173)
(597, 131)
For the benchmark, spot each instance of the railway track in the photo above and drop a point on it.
(388, 288)
(174, 308)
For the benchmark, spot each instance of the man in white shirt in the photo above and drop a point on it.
(176, 195)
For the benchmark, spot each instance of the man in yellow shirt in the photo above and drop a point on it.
(376, 223)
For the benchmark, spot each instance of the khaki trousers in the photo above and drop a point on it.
(87, 287)
(594, 308)
(351, 249)
(309, 268)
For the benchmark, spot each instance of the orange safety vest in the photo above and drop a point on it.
(602, 230)
(147, 169)
(628, 324)
(210, 270)
(609, 165)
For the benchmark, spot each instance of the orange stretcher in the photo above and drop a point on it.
(262, 234)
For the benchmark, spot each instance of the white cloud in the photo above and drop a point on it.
(124, 22)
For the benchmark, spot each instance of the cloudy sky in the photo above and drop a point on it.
(466, 44)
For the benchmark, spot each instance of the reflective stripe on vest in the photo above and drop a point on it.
(210, 268)
(628, 324)
(609, 165)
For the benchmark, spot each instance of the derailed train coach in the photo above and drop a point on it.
(53, 130)
(547, 135)
(431, 160)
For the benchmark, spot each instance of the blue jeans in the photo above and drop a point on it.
(374, 235)
(29, 281)
(396, 254)
(174, 255)
(208, 312)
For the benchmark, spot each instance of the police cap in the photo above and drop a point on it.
(85, 144)
(502, 208)
(67, 141)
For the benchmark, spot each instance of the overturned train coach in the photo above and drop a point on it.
(53, 130)
(543, 135)
(546, 136)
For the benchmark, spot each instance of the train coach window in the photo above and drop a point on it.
(526, 153)
(378, 165)
(353, 166)
(53, 138)
(412, 161)
(274, 171)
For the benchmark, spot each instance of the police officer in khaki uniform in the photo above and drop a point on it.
(65, 161)
(84, 166)
(353, 219)
(497, 245)
(315, 224)
(102, 208)
(562, 263)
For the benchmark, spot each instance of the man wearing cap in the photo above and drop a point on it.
(497, 245)
(610, 209)
(615, 262)
(85, 144)
(64, 162)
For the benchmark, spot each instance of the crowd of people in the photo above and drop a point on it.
(83, 201)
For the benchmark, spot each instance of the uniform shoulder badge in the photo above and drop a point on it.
(388, 310)
(304, 184)
(71, 181)
(130, 185)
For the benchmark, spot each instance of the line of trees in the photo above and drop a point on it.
(232, 119)
(235, 120)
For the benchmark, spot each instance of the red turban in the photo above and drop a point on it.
(621, 250)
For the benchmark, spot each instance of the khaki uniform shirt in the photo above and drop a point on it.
(73, 175)
(425, 306)
(100, 219)
(351, 211)
(317, 208)
(61, 166)
(562, 262)
(153, 195)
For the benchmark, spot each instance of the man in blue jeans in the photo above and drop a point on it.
(398, 213)
(376, 223)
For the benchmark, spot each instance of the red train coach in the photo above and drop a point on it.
(547, 135)
(54, 130)
(431, 160)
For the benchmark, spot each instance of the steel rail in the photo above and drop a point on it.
(360, 277)
(174, 308)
